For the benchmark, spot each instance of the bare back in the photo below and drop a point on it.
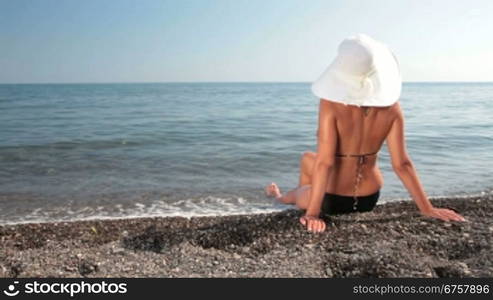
(359, 131)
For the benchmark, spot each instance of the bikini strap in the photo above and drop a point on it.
(356, 155)
(359, 175)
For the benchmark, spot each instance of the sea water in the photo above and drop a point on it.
(78, 151)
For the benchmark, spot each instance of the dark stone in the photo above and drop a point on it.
(86, 267)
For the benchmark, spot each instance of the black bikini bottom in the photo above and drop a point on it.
(335, 204)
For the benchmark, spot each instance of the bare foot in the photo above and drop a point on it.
(272, 190)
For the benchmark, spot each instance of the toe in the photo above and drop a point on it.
(269, 190)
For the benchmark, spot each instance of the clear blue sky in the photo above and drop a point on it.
(235, 40)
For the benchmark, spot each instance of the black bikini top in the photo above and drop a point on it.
(362, 157)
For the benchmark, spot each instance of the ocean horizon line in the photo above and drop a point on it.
(214, 82)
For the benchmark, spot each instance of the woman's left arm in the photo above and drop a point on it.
(323, 167)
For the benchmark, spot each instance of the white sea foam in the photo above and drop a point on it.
(187, 208)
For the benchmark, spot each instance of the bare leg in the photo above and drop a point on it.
(306, 166)
(299, 196)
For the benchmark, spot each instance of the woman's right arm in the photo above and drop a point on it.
(404, 168)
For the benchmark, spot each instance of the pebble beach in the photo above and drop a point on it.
(393, 240)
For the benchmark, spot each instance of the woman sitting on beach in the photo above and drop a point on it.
(358, 111)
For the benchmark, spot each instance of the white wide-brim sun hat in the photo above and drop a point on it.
(365, 72)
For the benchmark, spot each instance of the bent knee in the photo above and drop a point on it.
(308, 155)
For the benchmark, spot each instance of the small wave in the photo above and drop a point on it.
(208, 206)
(186, 208)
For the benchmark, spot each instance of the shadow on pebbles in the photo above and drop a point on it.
(394, 240)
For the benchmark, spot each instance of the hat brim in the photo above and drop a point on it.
(386, 82)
